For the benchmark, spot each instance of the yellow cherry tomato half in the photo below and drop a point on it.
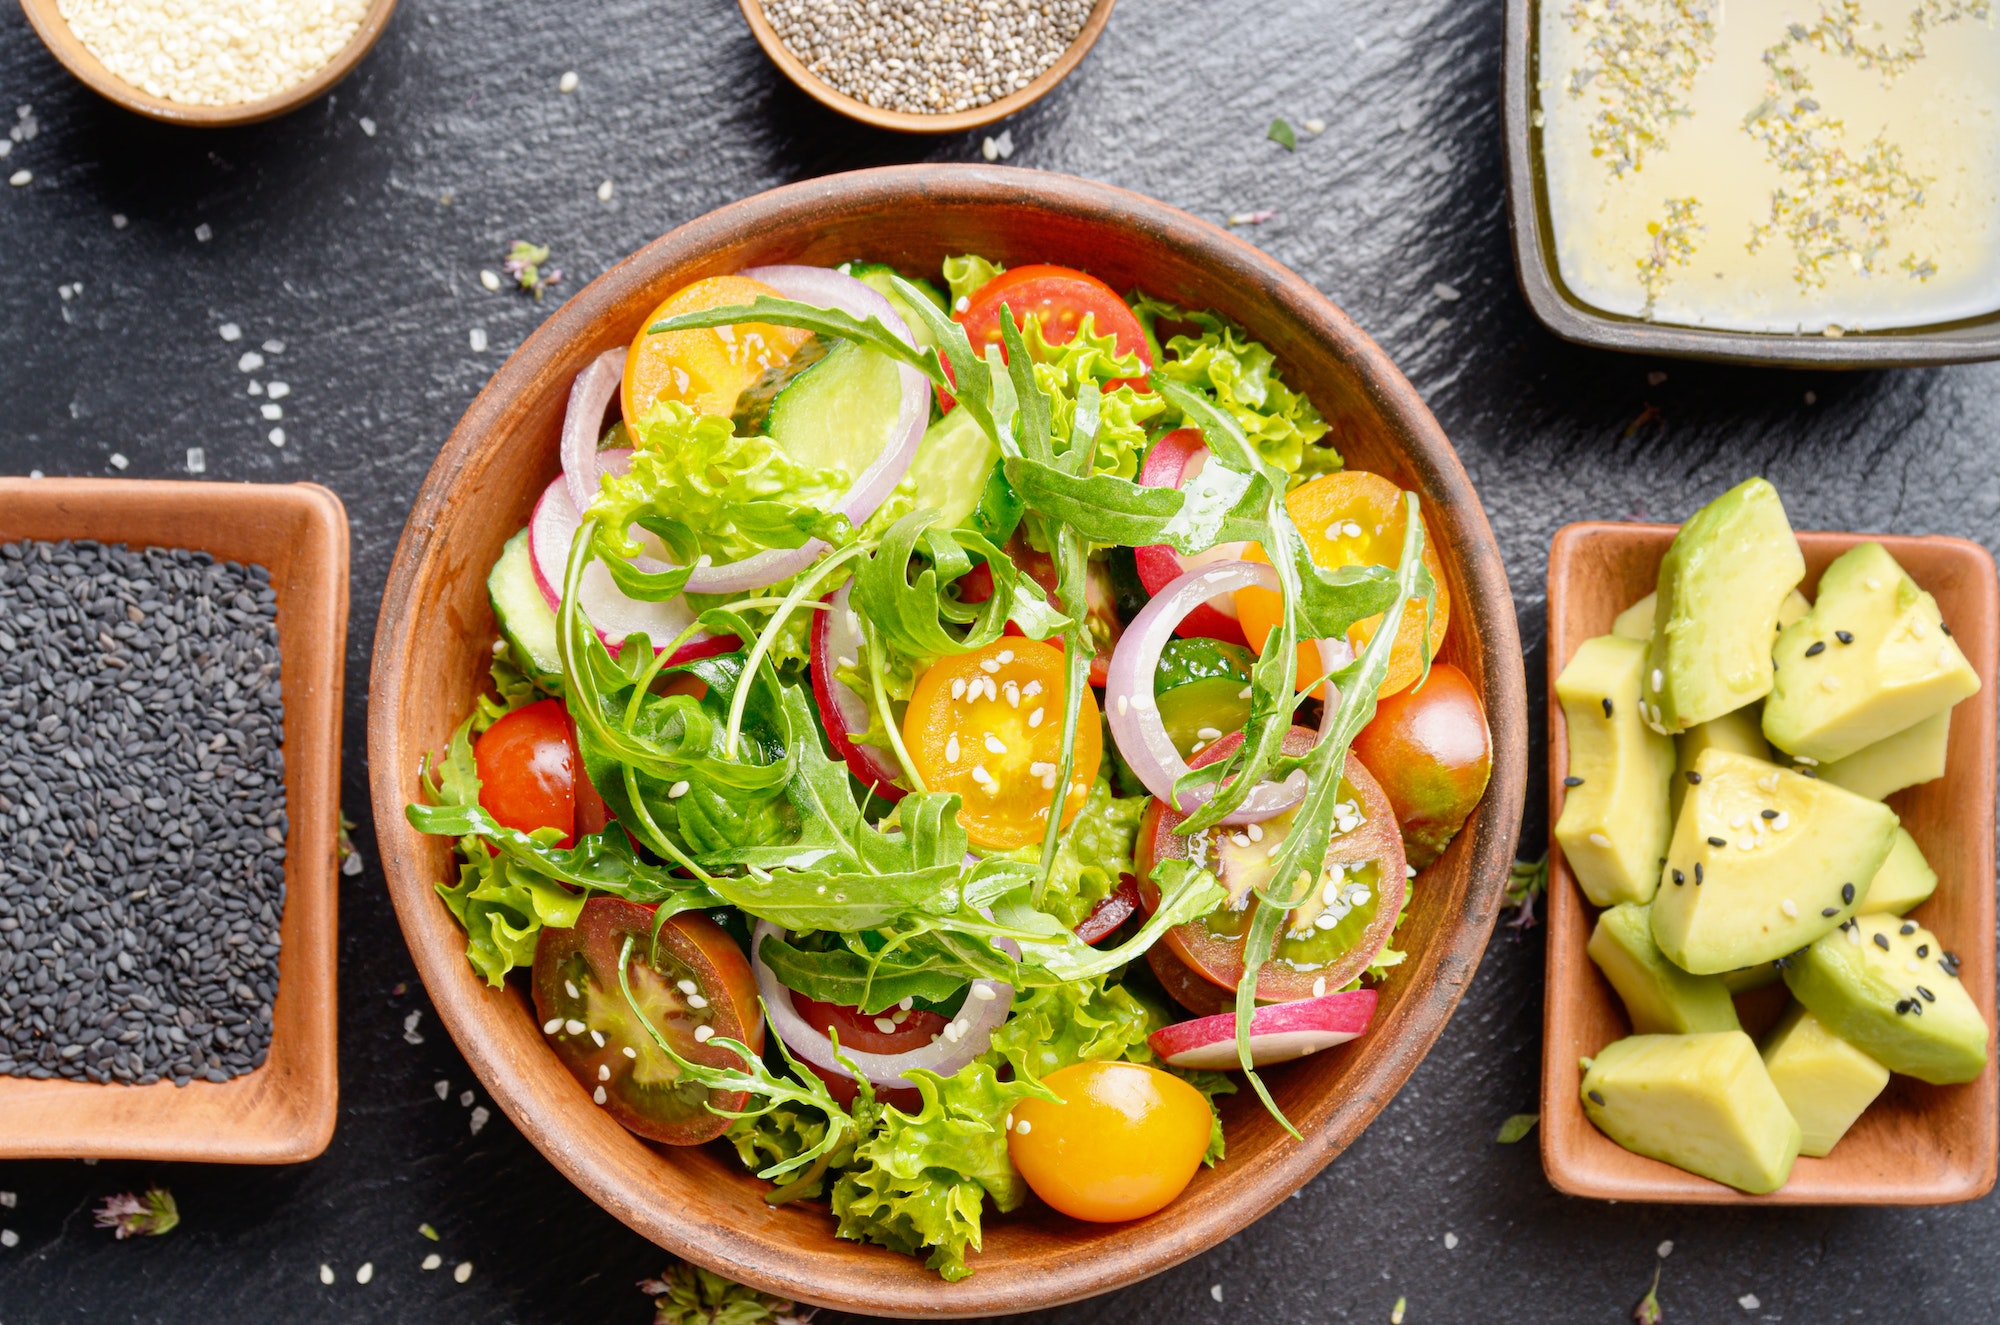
(1123, 1143)
(707, 368)
(1352, 518)
(988, 725)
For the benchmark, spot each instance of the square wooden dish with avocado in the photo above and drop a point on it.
(1771, 902)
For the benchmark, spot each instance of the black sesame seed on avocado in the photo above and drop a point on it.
(1596, 1098)
(1929, 997)
(1909, 928)
(1717, 842)
(1828, 911)
(1847, 893)
(1680, 879)
(1770, 814)
(1697, 874)
(1816, 648)
(1607, 706)
(1572, 782)
(1694, 778)
(1882, 942)
(1844, 636)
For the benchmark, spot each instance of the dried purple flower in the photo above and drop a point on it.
(140, 1216)
(526, 263)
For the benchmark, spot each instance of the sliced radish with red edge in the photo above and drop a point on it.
(1174, 460)
(836, 643)
(1279, 1032)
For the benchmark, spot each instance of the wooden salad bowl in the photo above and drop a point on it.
(1916, 1144)
(45, 16)
(433, 645)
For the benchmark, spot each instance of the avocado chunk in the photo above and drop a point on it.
(1613, 829)
(1704, 1103)
(1763, 861)
(1759, 976)
(1887, 987)
(1915, 754)
(1872, 658)
(1722, 582)
(1738, 731)
(1825, 1081)
(1636, 621)
(1659, 996)
(1905, 880)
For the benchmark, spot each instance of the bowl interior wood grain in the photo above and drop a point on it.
(1917, 1144)
(433, 646)
(904, 121)
(283, 1112)
(46, 18)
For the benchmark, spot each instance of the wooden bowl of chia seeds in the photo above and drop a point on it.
(113, 45)
(926, 67)
(433, 648)
(170, 688)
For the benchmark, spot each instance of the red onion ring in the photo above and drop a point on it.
(836, 637)
(583, 425)
(1135, 716)
(976, 1022)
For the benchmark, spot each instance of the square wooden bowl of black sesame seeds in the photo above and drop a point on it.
(1917, 1144)
(170, 691)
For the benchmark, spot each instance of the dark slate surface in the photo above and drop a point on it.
(355, 230)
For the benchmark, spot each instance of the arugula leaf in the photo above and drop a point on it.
(873, 982)
(913, 617)
(1093, 852)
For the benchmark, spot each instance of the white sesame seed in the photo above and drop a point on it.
(276, 436)
(489, 279)
(1209, 734)
(1659, 679)
(697, 1002)
(463, 1272)
(1319, 987)
(994, 745)
(325, 1273)
(599, 1095)
(1024, 1127)
(229, 331)
(884, 1025)
(569, 987)
(1256, 832)
(567, 83)
(1005, 656)
(988, 665)
(21, 178)
(574, 1027)
(1789, 907)
(1665, 1249)
(959, 305)
(951, 1031)
(1450, 1241)
(203, 233)
(686, 986)
(1944, 655)
(477, 339)
(1599, 840)
(443, 1088)
(278, 390)
(958, 688)
(604, 191)
(703, 1034)
(197, 460)
(983, 992)
(604, 1071)
(678, 790)
(465, 1098)
(118, 461)
(1013, 692)
(432, 1261)
(951, 749)
(1215, 1291)
(1872, 582)
(629, 1051)
(119, 221)
(1829, 683)
(1240, 840)
(597, 1037)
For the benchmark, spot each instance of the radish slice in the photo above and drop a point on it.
(589, 396)
(1135, 715)
(1279, 1032)
(986, 1007)
(552, 530)
(1174, 460)
(836, 641)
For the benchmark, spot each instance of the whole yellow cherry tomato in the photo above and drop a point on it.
(1352, 518)
(988, 725)
(707, 368)
(1123, 1143)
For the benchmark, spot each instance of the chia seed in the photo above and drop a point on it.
(142, 813)
(928, 57)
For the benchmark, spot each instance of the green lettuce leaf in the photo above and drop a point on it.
(503, 908)
(1242, 376)
(965, 274)
(919, 1181)
(1058, 1026)
(1091, 855)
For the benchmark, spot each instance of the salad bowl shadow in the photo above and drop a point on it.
(432, 648)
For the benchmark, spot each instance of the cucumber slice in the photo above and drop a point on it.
(841, 411)
(522, 613)
(875, 275)
(954, 462)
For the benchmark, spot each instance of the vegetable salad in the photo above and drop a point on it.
(943, 735)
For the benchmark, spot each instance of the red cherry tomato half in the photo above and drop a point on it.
(592, 814)
(1060, 297)
(693, 984)
(527, 769)
(1110, 913)
(859, 1031)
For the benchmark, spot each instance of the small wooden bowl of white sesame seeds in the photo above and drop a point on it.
(926, 68)
(230, 69)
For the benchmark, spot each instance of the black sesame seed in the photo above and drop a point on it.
(1827, 911)
(1607, 706)
(1941, 626)
(1572, 782)
(1929, 997)
(1816, 648)
(1717, 842)
(1909, 927)
(1923, 949)
(1680, 879)
(1697, 874)
(1805, 772)
(1694, 778)
(1595, 1098)
(1882, 942)
(1902, 1007)
(1916, 1007)
(1768, 814)
(1846, 893)
(1844, 636)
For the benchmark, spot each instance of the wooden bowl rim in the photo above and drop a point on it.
(261, 1117)
(1439, 973)
(46, 18)
(1576, 1173)
(908, 122)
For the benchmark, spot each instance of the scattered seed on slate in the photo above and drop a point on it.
(1572, 782)
(1816, 648)
(142, 813)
